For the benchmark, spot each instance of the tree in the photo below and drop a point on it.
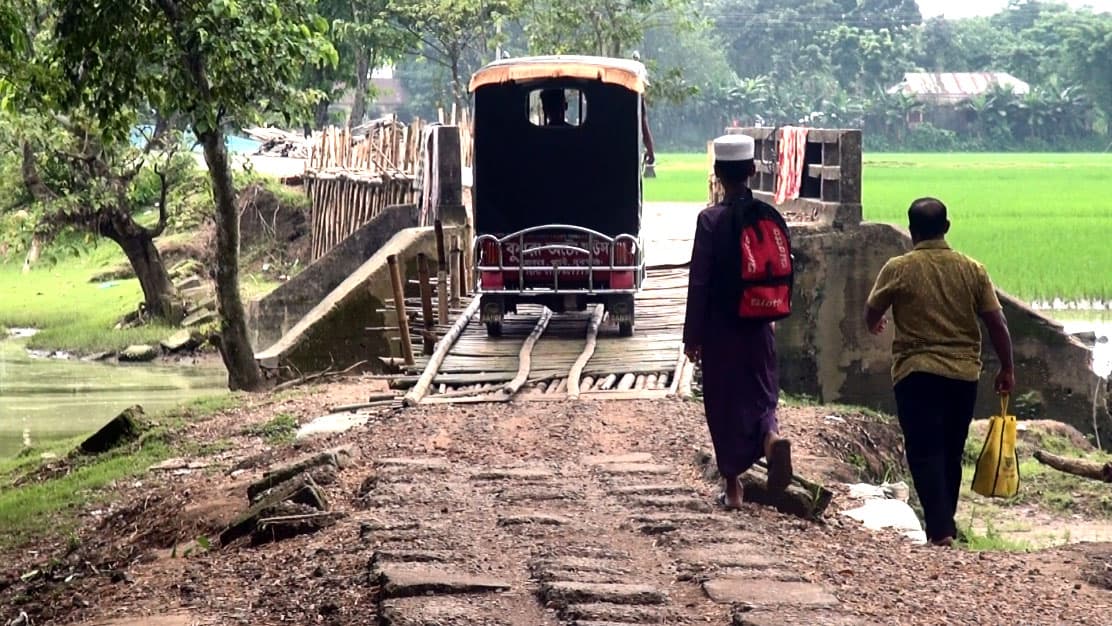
(458, 35)
(1087, 45)
(608, 28)
(771, 37)
(217, 63)
(876, 15)
(71, 177)
(364, 37)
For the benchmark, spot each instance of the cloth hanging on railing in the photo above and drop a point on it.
(792, 149)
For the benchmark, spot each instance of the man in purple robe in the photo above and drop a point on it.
(738, 357)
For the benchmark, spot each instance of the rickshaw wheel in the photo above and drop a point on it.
(625, 329)
(494, 329)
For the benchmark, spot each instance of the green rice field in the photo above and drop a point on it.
(1041, 223)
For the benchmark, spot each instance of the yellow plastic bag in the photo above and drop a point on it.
(997, 474)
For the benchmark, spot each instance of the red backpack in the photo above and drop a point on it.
(767, 272)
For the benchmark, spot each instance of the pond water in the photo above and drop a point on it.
(1098, 322)
(47, 399)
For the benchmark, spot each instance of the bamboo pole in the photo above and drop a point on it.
(399, 306)
(626, 382)
(426, 300)
(464, 270)
(588, 351)
(683, 384)
(456, 271)
(441, 275)
(413, 397)
(677, 372)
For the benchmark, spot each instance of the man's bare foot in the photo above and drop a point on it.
(945, 542)
(778, 453)
(731, 498)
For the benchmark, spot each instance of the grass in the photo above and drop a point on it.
(75, 315)
(1038, 222)
(72, 313)
(31, 507)
(991, 540)
(277, 431)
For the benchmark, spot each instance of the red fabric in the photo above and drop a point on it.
(793, 148)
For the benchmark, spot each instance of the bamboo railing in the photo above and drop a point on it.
(350, 177)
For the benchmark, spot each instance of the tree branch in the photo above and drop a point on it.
(31, 179)
(163, 214)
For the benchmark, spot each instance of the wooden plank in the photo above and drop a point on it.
(632, 394)
(403, 319)
(441, 274)
(426, 300)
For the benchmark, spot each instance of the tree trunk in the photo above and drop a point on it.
(458, 88)
(362, 77)
(320, 115)
(1077, 467)
(159, 293)
(32, 253)
(235, 348)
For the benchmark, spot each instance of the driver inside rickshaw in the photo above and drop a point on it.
(554, 104)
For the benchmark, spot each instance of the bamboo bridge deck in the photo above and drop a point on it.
(547, 356)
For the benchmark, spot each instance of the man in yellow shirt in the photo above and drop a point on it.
(936, 296)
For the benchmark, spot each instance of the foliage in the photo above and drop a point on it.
(124, 55)
(990, 541)
(457, 35)
(74, 314)
(609, 28)
(830, 62)
(364, 37)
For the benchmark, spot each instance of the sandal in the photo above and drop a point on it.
(780, 466)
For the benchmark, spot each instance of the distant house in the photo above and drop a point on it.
(389, 94)
(943, 93)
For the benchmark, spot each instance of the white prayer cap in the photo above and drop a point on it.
(733, 148)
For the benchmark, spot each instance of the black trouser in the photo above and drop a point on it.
(935, 413)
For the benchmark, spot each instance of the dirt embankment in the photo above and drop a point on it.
(543, 513)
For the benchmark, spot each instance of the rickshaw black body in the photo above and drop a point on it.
(557, 209)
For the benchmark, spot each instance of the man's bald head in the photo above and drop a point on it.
(927, 219)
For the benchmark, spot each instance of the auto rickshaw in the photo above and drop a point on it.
(557, 186)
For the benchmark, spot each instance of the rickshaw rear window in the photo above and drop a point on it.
(572, 105)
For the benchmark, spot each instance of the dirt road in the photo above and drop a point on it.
(527, 514)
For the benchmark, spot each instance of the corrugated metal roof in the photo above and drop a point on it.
(956, 86)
